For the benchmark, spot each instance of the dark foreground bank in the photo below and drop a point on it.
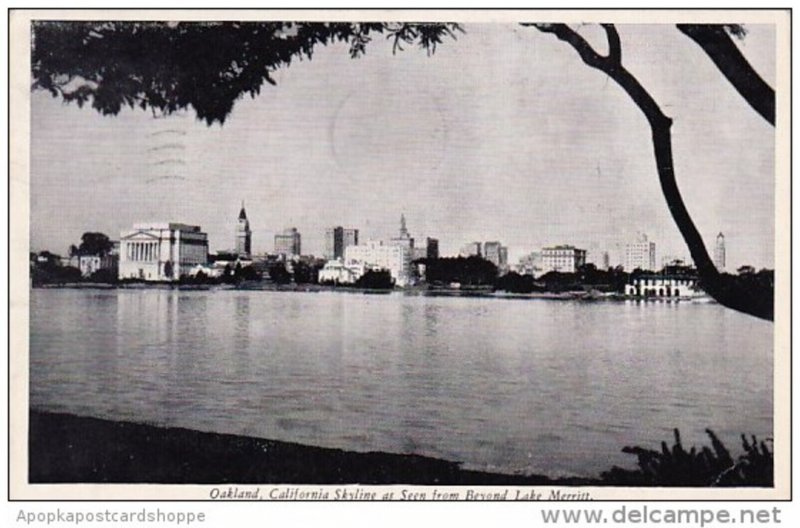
(68, 448)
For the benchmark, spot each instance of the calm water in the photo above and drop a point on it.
(507, 385)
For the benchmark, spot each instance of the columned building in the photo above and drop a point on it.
(243, 235)
(161, 251)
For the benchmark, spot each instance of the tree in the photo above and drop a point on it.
(208, 66)
(93, 244)
(753, 300)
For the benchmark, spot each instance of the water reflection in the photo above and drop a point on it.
(536, 386)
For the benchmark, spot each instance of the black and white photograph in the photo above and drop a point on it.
(392, 255)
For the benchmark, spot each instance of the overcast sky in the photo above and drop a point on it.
(502, 135)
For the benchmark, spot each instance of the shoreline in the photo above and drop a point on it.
(575, 295)
(66, 448)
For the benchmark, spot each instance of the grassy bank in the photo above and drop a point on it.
(68, 448)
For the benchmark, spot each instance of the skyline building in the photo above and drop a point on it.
(287, 243)
(337, 239)
(430, 250)
(404, 239)
(562, 258)
(376, 254)
(243, 235)
(719, 252)
(471, 249)
(161, 251)
(640, 254)
(496, 253)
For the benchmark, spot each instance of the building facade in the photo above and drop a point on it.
(640, 254)
(161, 251)
(337, 272)
(471, 249)
(337, 239)
(496, 253)
(404, 239)
(719, 253)
(379, 255)
(243, 235)
(662, 286)
(430, 250)
(563, 259)
(287, 243)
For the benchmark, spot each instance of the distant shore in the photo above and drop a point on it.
(65, 448)
(434, 292)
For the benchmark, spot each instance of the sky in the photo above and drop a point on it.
(502, 135)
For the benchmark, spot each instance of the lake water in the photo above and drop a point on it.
(532, 386)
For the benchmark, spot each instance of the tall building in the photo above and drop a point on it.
(640, 254)
(379, 255)
(430, 250)
(337, 239)
(404, 239)
(719, 253)
(563, 258)
(471, 249)
(161, 251)
(243, 235)
(287, 243)
(496, 253)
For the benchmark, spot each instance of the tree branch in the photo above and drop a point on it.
(719, 46)
(614, 46)
(724, 289)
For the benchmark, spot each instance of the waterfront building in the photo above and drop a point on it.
(161, 251)
(337, 272)
(380, 255)
(562, 258)
(653, 285)
(719, 253)
(287, 243)
(243, 235)
(337, 239)
(471, 249)
(640, 254)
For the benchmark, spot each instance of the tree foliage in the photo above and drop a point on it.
(707, 466)
(94, 244)
(207, 66)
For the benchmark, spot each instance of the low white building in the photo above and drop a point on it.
(662, 286)
(379, 255)
(337, 272)
(161, 251)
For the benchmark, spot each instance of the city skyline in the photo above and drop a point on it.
(466, 157)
